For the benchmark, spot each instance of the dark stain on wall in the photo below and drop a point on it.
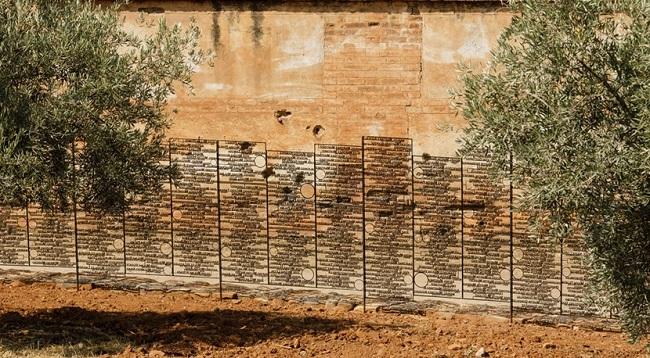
(413, 8)
(267, 172)
(216, 30)
(329, 6)
(152, 10)
(233, 17)
(258, 17)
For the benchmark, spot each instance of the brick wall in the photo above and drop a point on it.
(343, 69)
(326, 160)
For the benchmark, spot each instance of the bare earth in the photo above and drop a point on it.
(44, 320)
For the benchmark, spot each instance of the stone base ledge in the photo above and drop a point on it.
(330, 299)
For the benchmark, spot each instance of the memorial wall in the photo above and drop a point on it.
(373, 219)
(323, 155)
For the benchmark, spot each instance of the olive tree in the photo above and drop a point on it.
(78, 90)
(567, 94)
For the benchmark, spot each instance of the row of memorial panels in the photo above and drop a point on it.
(371, 218)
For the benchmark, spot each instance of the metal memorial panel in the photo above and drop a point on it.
(51, 238)
(243, 211)
(372, 219)
(147, 227)
(195, 204)
(100, 240)
(575, 277)
(339, 216)
(13, 236)
(292, 241)
(536, 269)
(388, 213)
(438, 251)
(486, 234)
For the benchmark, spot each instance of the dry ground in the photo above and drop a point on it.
(43, 320)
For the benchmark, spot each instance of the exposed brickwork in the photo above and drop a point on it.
(355, 69)
(377, 55)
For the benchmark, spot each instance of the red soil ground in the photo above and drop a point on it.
(47, 320)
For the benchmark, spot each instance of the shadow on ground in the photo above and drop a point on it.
(92, 332)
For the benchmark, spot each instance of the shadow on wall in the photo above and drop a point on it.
(90, 332)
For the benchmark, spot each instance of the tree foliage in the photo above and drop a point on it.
(567, 93)
(71, 73)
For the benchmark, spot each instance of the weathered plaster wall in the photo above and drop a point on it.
(343, 69)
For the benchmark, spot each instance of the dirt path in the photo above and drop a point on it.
(43, 320)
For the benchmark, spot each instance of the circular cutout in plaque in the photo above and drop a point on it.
(555, 293)
(518, 254)
(421, 280)
(260, 161)
(32, 224)
(320, 174)
(408, 279)
(566, 272)
(226, 252)
(22, 222)
(505, 275)
(167, 270)
(307, 274)
(33, 253)
(418, 172)
(307, 191)
(517, 273)
(274, 251)
(166, 249)
(358, 285)
(118, 244)
(177, 214)
(370, 228)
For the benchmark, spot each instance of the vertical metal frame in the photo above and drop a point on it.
(29, 249)
(412, 224)
(315, 222)
(74, 210)
(219, 224)
(363, 220)
(171, 203)
(462, 229)
(268, 229)
(511, 241)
